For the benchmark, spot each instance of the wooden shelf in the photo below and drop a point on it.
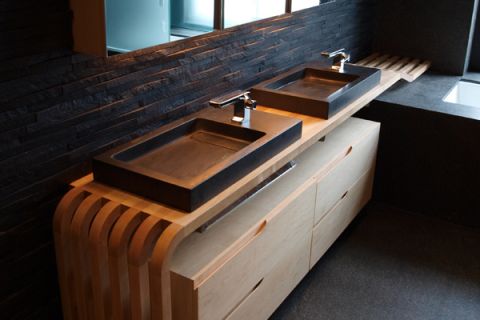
(408, 69)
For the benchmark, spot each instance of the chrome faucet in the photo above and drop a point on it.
(339, 58)
(242, 104)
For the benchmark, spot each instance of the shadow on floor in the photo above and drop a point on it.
(392, 264)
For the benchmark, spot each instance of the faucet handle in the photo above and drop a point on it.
(249, 102)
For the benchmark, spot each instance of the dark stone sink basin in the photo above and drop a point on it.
(191, 160)
(316, 89)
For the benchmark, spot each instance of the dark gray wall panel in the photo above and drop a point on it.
(475, 54)
(428, 162)
(437, 30)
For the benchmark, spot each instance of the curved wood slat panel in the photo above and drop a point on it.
(118, 244)
(98, 246)
(160, 284)
(61, 222)
(139, 253)
(80, 256)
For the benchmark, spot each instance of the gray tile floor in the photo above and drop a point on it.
(392, 264)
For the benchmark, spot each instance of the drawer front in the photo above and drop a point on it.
(270, 291)
(285, 229)
(339, 217)
(332, 186)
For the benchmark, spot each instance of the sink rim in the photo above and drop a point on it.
(223, 116)
(217, 167)
(361, 72)
(324, 105)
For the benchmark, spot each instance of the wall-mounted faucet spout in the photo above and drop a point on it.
(242, 104)
(339, 58)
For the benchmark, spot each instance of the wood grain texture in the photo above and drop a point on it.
(313, 130)
(98, 248)
(228, 280)
(140, 250)
(79, 229)
(284, 235)
(339, 217)
(61, 223)
(89, 27)
(336, 182)
(409, 69)
(60, 108)
(144, 283)
(119, 240)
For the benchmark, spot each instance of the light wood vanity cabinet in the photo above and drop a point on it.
(244, 265)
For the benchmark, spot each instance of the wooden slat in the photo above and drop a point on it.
(378, 61)
(368, 59)
(418, 71)
(119, 240)
(61, 224)
(388, 62)
(407, 68)
(98, 247)
(399, 64)
(79, 230)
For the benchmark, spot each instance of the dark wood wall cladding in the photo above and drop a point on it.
(58, 109)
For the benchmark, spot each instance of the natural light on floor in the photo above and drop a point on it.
(466, 93)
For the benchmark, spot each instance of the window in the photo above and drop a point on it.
(244, 11)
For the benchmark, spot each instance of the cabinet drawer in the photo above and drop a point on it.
(282, 234)
(340, 216)
(360, 159)
(269, 293)
(284, 230)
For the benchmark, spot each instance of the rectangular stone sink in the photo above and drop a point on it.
(188, 162)
(316, 89)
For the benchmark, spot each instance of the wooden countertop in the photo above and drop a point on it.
(313, 130)
(153, 243)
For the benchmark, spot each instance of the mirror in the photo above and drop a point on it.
(133, 24)
(304, 4)
(110, 27)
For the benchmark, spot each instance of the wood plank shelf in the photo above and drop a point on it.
(409, 69)
(140, 236)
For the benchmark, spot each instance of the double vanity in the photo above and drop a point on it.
(188, 162)
(174, 225)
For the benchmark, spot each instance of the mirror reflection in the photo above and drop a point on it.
(191, 18)
(304, 4)
(137, 24)
(243, 11)
(133, 24)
